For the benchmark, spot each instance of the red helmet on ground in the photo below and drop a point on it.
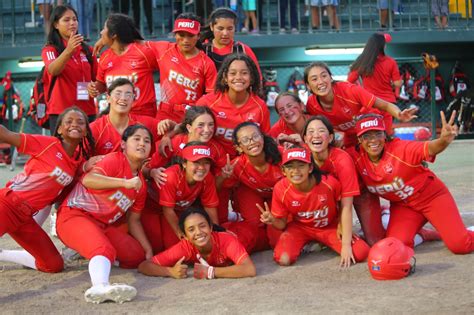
(422, 134)
(390, 259)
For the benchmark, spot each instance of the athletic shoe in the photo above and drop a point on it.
(294, 31)
(471, 228)
(429, 235)
(116, 292)
(70, 255)
(312, 247)
(282, 31)
(245, 30)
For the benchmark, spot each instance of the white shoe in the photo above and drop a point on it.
(312, 247)
(116, 292)
(471, 228)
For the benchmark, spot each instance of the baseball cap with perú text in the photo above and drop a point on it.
(296, 154)
(187, 25)
(194, 153)
(372, 122)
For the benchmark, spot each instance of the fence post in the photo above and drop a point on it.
(433, 103)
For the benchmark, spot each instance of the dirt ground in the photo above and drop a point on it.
(442, 284)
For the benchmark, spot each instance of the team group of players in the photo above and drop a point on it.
(150, 187)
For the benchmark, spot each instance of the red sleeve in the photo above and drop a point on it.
(232, 248)
(335, 186)
(209, 197)
(101, 66)
(347, 175)
(279, 210)
(139, 202)
(352, 77)
(395, 73)
(364, 97)
(49, 54)
(170, 257)
(95, 65)
(204, 100)
(220, 158)
(210, 75)
(168, 190)
(34, 144)
(108, 165)
(265, 123)
(415, 151)
(157, 160)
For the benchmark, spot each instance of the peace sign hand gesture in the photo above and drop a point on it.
(266, 216)
(228, 169)
(449, 130)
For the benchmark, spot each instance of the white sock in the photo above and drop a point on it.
(21, 257)
(99, 270)
(42, 215)
(417, 239)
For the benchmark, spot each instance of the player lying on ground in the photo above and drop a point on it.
(214, 254)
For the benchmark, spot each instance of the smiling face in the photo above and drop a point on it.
(250, 141)
(289, 109)
(320, 81)
(138, 146)
(202, 128)
(73, 126)
(238, 77)
(373, 143)
(186, 41)
(224, 30)
(297, 172)
(121, 99)
(197, 230)
(317, 136)
(197, 171)
(67, 25)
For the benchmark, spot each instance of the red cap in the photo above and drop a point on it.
(369, 123)
(196, 152)
(296, 154)
(388, 37)
(186, 25)
(422, 134)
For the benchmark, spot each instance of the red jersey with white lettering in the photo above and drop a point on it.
(226, 251)
(108, 139)
(183, 81)
(282, 127)
(340, 165)
(316, 208)
(178, 142)
(399, 174)
(64, 93)
(176, 192)
(228, 116)
(227, 50)
(137, 64)
(380, 82)
(109, 205)
(350, 101)
(245, 173)
(49, 170)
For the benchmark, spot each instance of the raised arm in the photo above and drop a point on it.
(7, 136)
(97, 181)
(57, 66)
(402, 115)
(449, 130)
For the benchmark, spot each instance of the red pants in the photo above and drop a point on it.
(367, 207)
(80, 231)
(254, 237)
(151, 217)
(435, 204)
(224, 195)
(16, 219)
(173, 112)
(168, 235)
(296, 235)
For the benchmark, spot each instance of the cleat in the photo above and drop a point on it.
(429, 235)
(116, 292)
(312, 247)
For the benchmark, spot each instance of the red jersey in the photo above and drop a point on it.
(109, 205)
(226, 250)
(137, 64)
(350, 101)
(178, 142)
(380, 82)
(176, 192)
(340, 165)
(316, 208)
(49, 170)
(107, 138)
(399, 174)
(183, 81)
(245, 173)
(227, 50)
(228, 116)
(282, 127)
(64, 93)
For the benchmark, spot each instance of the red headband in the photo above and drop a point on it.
(186, 25)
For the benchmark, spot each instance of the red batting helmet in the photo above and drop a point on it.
(422, 134)
(390, 259)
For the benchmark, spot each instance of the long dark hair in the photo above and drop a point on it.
(54, 38)
(312, 65)
(123, 27)
(192, 17)
(270, 147)
(316, 173)
(219, 13)
(191, 115)
(365, 63)
(222, 86)
(325, 122)
(87, 145)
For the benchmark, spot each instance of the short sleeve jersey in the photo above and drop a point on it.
(316, 208)
(108, 205)
(176, 192)
(47, 172)
(340, 164)
(183, 81)
(380, 82)
(226, 251)
(64, 92)
(349, 101)
(262, 183)
(399, 174)
(107, 138)
(228, 116)
(137, 64)
(179, 142)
